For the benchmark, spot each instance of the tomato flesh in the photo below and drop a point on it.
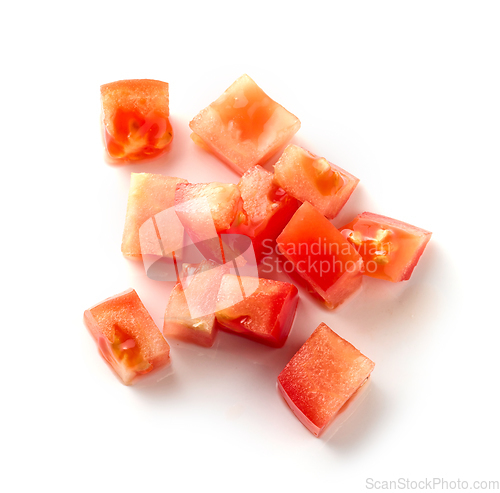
(223, 200)
(321, 377)
(390, 248)
(150, 195)
(313, 179)
(127, 336)
(244, 126)
(321, 255)
(266, 209)
(190, 313)
(135, 119)
(259, 309)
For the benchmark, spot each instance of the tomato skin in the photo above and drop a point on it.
(265, 210)
(310, 178)
(390, 248)
(321, 377)
(321, 255)
(265, 315)
(135, 119)
(244, 126)
(126, 336)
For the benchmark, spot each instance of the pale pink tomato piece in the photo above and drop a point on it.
(321, 377)
(321, 255)
(266, 209)
(223, 200)
(135, 119)
(262, 310)
(244, 127)
(149, 195)
(127, 337)
(390, 248)
(190, 313)
(313, 179)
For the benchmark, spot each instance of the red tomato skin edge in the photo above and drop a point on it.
(315, 430)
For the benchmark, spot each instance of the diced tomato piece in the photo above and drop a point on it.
(262, 310)
(135, 119)
(190, 314)
(313, 179)
(266, 209)
(205, 210)
(321, 255)
(321, 377)
(390, 248)
(150, 194)
(127, 338)
(223, 200)
(244, 127)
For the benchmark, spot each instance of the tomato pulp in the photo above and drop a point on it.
(244, 126)
(135, 119)
(127, 337)
(320, 378)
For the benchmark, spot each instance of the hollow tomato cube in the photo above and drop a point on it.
(149, 195)
(259, 309)
(321, 255)
(135, 120)
(390, 248)
(190, 313)
(127, 337)
(313, 179)
(266, 209)
(244, 127)
(321, 377)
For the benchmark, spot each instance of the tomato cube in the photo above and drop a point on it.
(222, 199)
(313, 179)
(190, 314)
(266, 209)
(127, 338)
(244, 127)
(150, 194)
(390, 248)
(262, 310)
(321, 377)
(135, 119)
(321, 255)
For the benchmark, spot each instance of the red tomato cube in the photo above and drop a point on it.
(266, 210)
(390, 248)
(244, 127)
(127, 338)
(313, 179)
(150, 194)
(259, 309)
(321, 255)
(190, 314)
(135, 119)
(321, 377)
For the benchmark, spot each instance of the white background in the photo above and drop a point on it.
(404, 95)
